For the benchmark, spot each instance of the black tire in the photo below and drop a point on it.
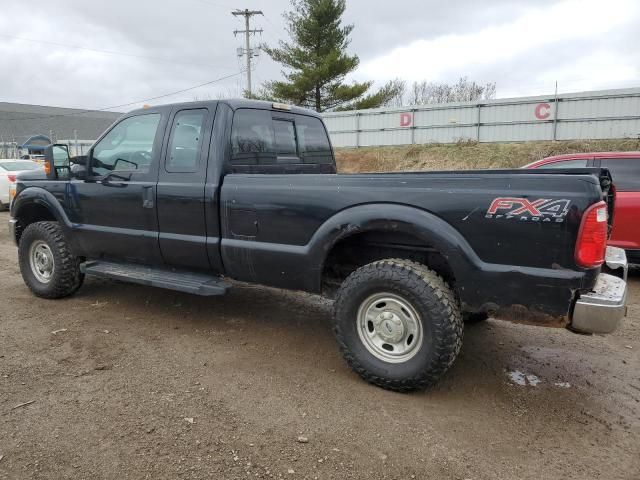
(474, 317)
(439, 315)
(66, 277)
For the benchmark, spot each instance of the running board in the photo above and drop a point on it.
(188, 282)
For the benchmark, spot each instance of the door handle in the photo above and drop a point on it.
(147, 197)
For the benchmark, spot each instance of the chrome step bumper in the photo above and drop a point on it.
(602, 309)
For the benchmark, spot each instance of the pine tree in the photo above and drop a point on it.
(316, 61)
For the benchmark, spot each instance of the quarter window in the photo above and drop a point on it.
(186, 139)
(127, 147)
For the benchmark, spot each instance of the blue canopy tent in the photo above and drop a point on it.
(36, 144)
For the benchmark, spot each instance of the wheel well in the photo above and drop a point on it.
(359, 249)
(34, 212)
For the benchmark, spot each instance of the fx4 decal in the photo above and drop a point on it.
(523, 209)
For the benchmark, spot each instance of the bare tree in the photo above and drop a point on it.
(424, 92)
(399, 89)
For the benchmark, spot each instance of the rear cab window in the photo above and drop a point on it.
(625, 173)
(265, 137)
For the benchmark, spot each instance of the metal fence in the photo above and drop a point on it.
(571, 116)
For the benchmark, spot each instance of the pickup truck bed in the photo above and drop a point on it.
(512, 265)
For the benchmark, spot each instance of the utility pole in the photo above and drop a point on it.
(247, 14)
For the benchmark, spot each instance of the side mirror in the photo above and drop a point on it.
(56, 161)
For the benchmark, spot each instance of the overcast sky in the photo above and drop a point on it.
(524, 46)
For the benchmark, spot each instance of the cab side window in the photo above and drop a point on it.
(186, 141)
(625, 173)
(127, 147)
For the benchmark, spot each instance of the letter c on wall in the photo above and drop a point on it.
(542, 111)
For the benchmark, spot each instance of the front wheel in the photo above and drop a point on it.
(47, 265)
(398, 324)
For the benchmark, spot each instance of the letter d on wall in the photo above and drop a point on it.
(406, 119)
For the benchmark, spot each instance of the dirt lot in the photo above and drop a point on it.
(133, 382)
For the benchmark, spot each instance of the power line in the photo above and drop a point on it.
(164, 95)
(213, 4)
(275, 28)
(107, 52)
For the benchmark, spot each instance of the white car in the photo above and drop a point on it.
(9, 169)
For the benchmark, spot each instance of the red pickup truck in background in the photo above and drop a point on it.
(625, 170)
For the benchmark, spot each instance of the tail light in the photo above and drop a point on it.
(592, 236)
(12, 178)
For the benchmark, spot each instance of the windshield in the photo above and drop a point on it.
(19, 165)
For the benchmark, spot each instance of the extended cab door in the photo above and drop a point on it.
(114, 208)
(265, 225)
(181, 188)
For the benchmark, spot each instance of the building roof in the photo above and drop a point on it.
(19, 122)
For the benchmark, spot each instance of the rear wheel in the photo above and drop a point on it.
(398, 324)
(47, 265)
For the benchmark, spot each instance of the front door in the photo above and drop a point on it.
(114, 209)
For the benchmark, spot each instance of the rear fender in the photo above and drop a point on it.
(429, 228)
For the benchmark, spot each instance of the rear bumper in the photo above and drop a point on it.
(602, 309)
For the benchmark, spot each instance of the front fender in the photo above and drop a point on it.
(42, 197)
(27, 207)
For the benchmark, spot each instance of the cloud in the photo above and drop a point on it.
(579, 28)
(524, 46)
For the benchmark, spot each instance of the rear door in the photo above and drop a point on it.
(626, 178)
(181, 188)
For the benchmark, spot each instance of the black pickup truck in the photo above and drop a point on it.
(196, 196)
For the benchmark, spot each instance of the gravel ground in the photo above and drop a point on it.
(132, 382)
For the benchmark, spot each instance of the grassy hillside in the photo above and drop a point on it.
(466, 155)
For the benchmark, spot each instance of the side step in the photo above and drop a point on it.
(188, 282)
